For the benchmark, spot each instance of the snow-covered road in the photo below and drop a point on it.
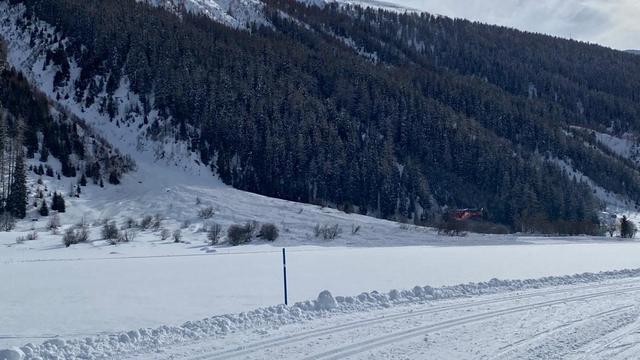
(597, 321)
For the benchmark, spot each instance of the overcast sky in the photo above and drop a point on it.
(614, 23)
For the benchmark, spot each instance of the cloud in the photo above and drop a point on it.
(613, 23)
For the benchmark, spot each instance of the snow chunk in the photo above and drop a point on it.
(326, 301)
(11, 354)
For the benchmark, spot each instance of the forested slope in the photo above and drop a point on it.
(32, 128)
(392, 115)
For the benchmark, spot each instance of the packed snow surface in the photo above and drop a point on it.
(198, 335)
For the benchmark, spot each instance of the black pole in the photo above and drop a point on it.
(284, 271)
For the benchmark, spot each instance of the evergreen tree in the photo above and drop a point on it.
(44, 154)
(54, 201)
(113, 178)
(17, 199)
(3, 161)
(627, 228)
(44, 209)
(61, 204)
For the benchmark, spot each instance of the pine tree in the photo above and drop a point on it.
(83, 180)
(44, 154)
(627, 228)
(61, 205)
(17, 199)
(54, 202)
(3, 162)
(57, 203)
(113, 178)
(44, 209)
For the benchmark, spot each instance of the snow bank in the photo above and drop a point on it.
(147, 340)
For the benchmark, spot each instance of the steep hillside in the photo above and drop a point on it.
(396, 115)
(40, 140)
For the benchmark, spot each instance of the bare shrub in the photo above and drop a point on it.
(110, 231)
(251, 227)
(213, 233)
(82, 234)
(177, 236)
(269, 232)
(75, 235)
(20, 239)
(146, 222)
(355, 229)
(127, 235)
(206, 213)
(239, 234)
(69, 238)
(327, 232)
(157, 222)
(165, 234)
(7, 221)
(130, 223)
(54, 222)
(83, 222)
(32, 236)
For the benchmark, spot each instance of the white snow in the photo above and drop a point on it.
(626, 146)
(150, 340)
(614, 202)
(234, 13)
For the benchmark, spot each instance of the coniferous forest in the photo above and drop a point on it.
(27, 115)
(387, 114)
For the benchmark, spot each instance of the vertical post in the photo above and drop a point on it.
(284, 272)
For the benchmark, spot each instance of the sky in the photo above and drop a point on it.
(613, 23)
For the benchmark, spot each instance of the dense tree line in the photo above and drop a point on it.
(444, 112)
(30, 127)
(13, 181)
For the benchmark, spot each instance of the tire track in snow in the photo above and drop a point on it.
(373, 343)
(292, 339)
(609, 341)
(508, 349)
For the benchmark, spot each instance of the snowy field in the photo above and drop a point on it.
(108, 289)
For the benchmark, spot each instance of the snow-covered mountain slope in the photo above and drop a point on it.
(126, 131)
(376, 4)
(235, 13)
(240, 13)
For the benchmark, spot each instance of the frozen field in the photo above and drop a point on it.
(108, 289)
